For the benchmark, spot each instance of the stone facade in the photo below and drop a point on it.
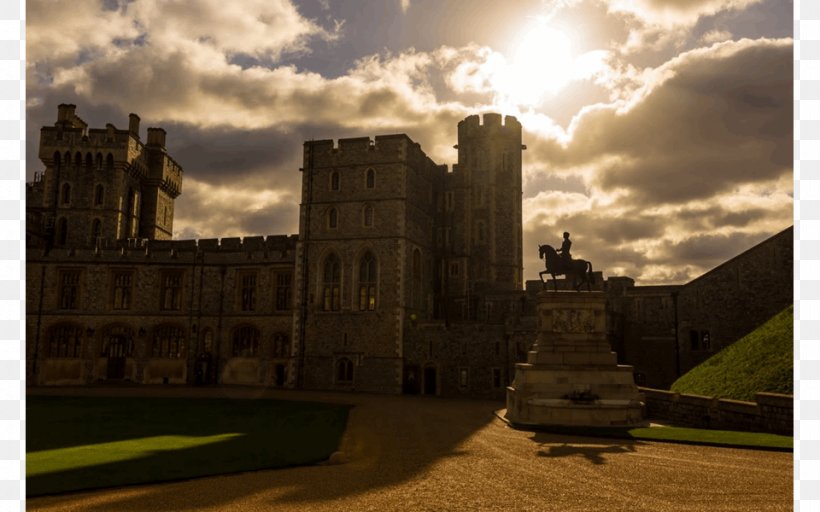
(405, 276)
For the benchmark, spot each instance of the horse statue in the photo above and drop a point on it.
(556, 266)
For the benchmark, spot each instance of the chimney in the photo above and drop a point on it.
(156, 137)
(134, 125)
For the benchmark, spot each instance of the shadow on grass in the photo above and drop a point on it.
(390, 440)
(82, 443)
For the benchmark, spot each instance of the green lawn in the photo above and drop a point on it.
(82, 443)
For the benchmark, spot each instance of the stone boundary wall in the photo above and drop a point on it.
(770, 412)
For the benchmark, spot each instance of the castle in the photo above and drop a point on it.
(405, 277)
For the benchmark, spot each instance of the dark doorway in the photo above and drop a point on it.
(411, 379)
(430, 380)
(117, 346)
(279, 375)
(203, 369)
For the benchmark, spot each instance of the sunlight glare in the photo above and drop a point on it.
(542, 64)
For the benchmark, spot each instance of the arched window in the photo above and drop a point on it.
(280, 345)
(99, 161)
(332, 278)
(99, 195)
(334, 181)
(371, 178)
(65, 193)
(367, 214)
(169, 342)
(344, 371)
(78, 159)
(96, 230)
(57, 160)
(67, 159)
(246, 341)
(367, 283)
(62, 231)
(65, 341)
(332, 218)
(89, 161)
(109, 162)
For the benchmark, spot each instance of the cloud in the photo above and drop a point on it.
(671, 13)
(690, 171)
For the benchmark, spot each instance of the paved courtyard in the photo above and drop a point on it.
(417, 453)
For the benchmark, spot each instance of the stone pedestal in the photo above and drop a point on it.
(571, 377)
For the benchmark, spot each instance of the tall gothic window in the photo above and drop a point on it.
(171, 290)
(367, 283)
(248, 291)
(371, 178)
(99, 194)
(331, 287)
(367, 213)
(344, 371)
(69, 289)
(332, 218)
(66, 193)
(122, 289)
(334, 181)
(169, 342)
(245, 341)
(96, 230)
(65, 341)
(283, 284)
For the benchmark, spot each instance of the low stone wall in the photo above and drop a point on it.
(770, 412)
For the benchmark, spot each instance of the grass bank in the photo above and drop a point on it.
(76, 443)
(763, 360)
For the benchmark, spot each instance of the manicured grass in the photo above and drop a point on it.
(760, 361)
(684, 436)
(78, 443)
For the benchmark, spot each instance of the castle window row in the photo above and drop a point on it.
(367, 283)
(168, 341)
(122, 282)
(369, 180)
(368, 217)
(90, 162)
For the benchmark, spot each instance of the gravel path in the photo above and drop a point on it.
(415, 453)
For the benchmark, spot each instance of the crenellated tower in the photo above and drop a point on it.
(483, 228)
(101, 185)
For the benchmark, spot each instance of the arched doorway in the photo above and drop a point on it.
(430, 381)
(117, 349)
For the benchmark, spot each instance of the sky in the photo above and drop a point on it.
(658, 132)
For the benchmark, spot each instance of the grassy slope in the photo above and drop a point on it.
(760, 361)
(80, 443)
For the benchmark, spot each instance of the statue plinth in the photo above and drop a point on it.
(572, 377)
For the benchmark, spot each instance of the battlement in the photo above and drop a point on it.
(364, 150)
(273, 248)
(492, 123)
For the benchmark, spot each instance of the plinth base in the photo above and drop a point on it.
(571, 377)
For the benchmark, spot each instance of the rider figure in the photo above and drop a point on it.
(564, 250)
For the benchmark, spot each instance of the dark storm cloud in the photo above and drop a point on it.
(723, 119)
(711, 250)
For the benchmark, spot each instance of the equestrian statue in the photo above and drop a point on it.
(556, 265)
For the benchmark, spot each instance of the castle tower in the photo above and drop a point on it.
(364, 259)
(100, 185)
(483, 210)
